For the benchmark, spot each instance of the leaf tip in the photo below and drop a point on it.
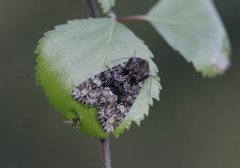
(220, 63)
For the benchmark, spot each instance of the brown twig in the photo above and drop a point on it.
(106, 153)
(104, 142)
(93, 8)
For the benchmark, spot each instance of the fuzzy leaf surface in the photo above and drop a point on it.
(193, 28)
(73, 52)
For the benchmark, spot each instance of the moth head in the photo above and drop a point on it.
(138, 68)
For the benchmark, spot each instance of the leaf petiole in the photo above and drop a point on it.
(130, 18)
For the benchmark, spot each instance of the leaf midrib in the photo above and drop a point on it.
(109, 41)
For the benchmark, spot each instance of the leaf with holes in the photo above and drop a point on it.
(193, 28)
(73, 52)
(106, 5)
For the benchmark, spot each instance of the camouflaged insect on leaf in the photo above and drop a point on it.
(113, 91)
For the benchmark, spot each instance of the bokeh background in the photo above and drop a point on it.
(195, 125)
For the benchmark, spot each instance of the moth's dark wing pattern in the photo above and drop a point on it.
(113, 91)
(89, 91)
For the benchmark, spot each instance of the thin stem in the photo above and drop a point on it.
(104, 142)
(106, 153)
(93, 8)
(130, 18)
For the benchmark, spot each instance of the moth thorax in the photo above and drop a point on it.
(138, 69)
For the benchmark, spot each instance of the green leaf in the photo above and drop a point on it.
(193, 28)
(106, 4)
(75, 51)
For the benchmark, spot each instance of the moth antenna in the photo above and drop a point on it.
(150, 86)
(107, 67)
(149, 92)
(135, 53)
(134, 56)
(120, 59)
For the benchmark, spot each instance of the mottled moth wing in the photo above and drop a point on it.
(113, 91)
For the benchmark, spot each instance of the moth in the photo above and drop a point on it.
(113, 91)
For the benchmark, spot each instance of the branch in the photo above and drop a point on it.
(93, 8)
(104, 142)
(106, 153)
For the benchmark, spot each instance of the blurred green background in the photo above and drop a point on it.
(195, 125)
